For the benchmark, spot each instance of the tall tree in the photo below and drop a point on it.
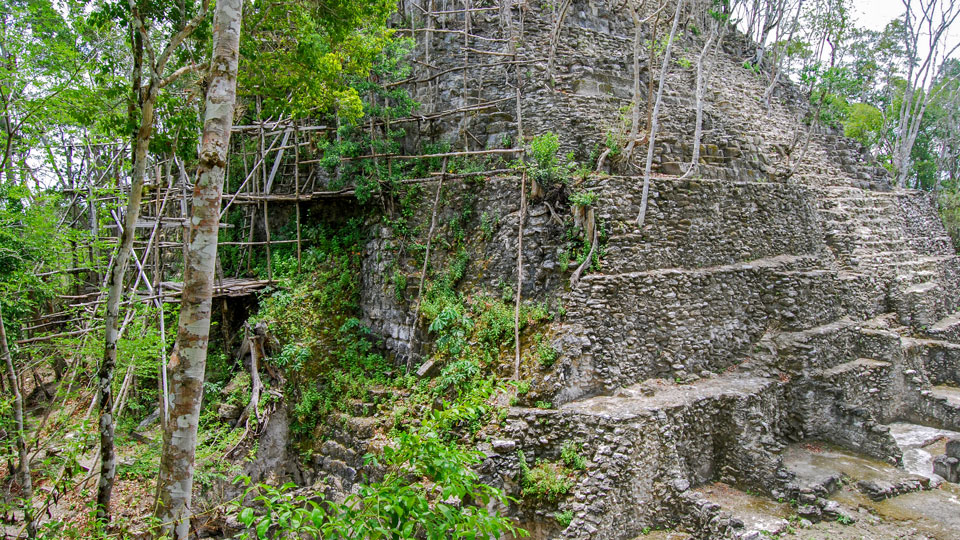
(146, 96)
(175, 483)
(26, 485)
(718, 19)
(654, 123)
(926, 24)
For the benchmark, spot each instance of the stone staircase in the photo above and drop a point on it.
(748, 314)
(742, 318)
(338, 454)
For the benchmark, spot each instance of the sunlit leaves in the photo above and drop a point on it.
(299, 57)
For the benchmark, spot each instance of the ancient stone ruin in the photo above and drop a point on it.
(758, 338)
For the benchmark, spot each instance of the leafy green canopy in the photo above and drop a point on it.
(298, 57)
(29, 240)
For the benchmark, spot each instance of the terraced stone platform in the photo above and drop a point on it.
(753, 318)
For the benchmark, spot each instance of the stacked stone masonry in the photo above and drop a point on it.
(748, 313)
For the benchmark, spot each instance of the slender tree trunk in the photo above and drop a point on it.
(635, 117)
(702, 78)
(555, 40)
(26, 483)
(651, 56)
(521, 215)
(175, 483)
(652, 137)
(108, 458)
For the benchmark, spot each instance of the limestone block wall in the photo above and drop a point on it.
(704, 223)
(940, 361)
(643, 458)
(743, 314)
(591, 93)
(485, 213)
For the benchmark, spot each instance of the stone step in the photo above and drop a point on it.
(784, 263)
(940, 406)
(656, 395)
(858, 366)
(360, 408)
(921, 288)
(947, 328)
(737, 514)
(821, 469)
(335, 450)
(951, 394)
(680, 436)
(922, 304)
(837, 347)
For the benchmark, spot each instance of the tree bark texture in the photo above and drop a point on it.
(108, 457)
(175, 483)
(652, 137)
(26, 483)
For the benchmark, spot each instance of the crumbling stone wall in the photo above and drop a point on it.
(591, 93)
(744, 314)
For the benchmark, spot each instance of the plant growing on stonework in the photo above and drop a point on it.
(548, 168)
(394, 507)
(545, 480)
(564, 518)
(570, 455)
(583, 198)
(546, 354)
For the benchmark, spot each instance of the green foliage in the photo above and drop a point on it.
(29, 239)
(949, 206)
(546, 354)
(328, 355)
(457, 375)
(563, 261)
(399, 286)
(583, 198)
(578, 246)
(549, 169)
(564, 518)
(486, 227)
(477, 327)
(545, 480)
(863, 122)
(544, 148)
(300, 57)
(570, 456)
(393, 507)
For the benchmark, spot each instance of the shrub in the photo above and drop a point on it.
(545, 480)
(394, 507)
(564, 518)
(583, 198)
(570, 456)
(548, 169)
(546, 354)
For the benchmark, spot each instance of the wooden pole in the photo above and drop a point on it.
(423, 270)
(296, 187)
(266, 210)
(516, 309)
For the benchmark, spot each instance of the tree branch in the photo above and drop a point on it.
(170, 79)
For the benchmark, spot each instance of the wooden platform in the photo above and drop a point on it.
(231, 287)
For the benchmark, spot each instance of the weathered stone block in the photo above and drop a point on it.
(953, 448)
(947, 467)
